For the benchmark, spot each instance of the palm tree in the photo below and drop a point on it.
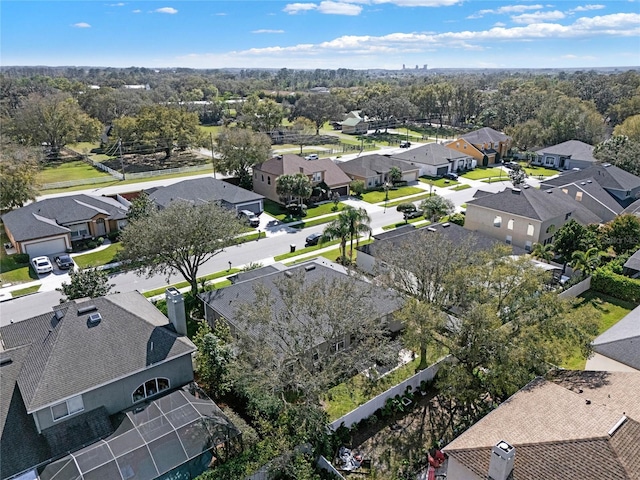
(357, 220)
(543, 252)
(586, 262)
(436, 207)
(340, 230)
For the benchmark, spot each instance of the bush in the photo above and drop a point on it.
(113, 236)
(406, 207)
(618, 286)
(92, 244)
(100, 240)
(21, 258)
(457, 218)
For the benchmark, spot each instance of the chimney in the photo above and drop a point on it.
(175, 310)
(502, 459)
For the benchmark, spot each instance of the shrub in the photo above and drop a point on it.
(113, 236)
(457, 218)
(615, 285)
(100, 240)
(92, 244)
(21, 258)
(406, 207)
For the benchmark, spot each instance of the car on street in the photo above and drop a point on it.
(312, 156)
(41, 265)
(64, 262)
(250, 217)
(405, 144)
(313, 239)
(451, 176)
(511, 165)
(412, 214)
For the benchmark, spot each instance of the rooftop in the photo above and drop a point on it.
(575, 149)
(199, 191)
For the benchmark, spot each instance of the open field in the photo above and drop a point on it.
(62, 171)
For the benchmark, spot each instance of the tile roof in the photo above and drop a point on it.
(575, 149)
(621, 342)
(431, 154)
(536, 204)
(372, 165)
(570, 437)
(289, 164)
(484, 135)
(115, 347)
(608, 176)
(202, 190)
(50, 216)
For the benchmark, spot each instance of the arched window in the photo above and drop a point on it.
(530, 230)
(510, 224)
(150, 388)
(497, 222)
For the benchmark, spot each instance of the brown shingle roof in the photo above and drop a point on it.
(289, 164)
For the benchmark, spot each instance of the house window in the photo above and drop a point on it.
(79, 231)
(497, 222)
(68, 407)
(122, 224)
(527, 246)
(510, 224)
(549, 161)
(579, 196)
(530, 230)
(150, 388)
(317, 176)
(262, 177)
(508, 239)
(339, 346)
(268, 180)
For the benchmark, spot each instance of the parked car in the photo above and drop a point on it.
(312, 156)
(451, 176)
(412, 214)
(41, 265)
(250, 217)
(405, 144)
(64, 262)
(313, 239)
(511, 165)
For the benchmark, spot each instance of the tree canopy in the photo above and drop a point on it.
(435, 207)
(18, 175)
(261, 115)
(318, 108)
(86, 283)
(296, 185)
(239, 150)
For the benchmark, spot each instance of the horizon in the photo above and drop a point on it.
(325, 34)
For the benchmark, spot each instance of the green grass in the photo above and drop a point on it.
(494, 180)
(302, 251)
(313, 223)
(535, 171)
(278, 211)
(409, 200)
(462, 186)
(25, 291)
(485, 172)
(402, 224)
(10, 270)
(611, 309)
(333, 254)
(74, 170)
(206, 278)
(84, 147)
(99, 258)
(379, 196)
(438, 181)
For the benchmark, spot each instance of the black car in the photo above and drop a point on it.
(451, 176)
(405, 144)
(313, 239)
(511, 165)
(64, 262)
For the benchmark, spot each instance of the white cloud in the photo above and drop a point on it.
(220, 14)
(265, 30)
(116, 4)
(294, 8)
(499, 24)
(420, 3)
(538, 17)
(137, 10)
(586, 8)
(82, 25)
(169, 10)
(338, 8)
(507, 9)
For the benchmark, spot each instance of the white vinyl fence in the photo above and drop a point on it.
(577, 289)
(168, 171)
(75, 183)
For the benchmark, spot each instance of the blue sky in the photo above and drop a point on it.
(321, 34)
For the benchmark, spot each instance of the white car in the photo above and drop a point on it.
(42, 265)
(312, 156)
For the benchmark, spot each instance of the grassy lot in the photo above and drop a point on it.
(10, 270)
(379, 196)
(99, 258)
(438, 181)
(63, 171)
(332, 255)
(206, 278)
(409, 200)
(25, 291)
(536, 171)
(278, 211)
(611, 309)
(462, 186)
(485, 172)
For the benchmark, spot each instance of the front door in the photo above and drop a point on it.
(101, 229)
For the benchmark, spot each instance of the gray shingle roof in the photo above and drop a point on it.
(50, 216)
(536, 204)
(609, 177)
(202, 190)
(622, 341)
(592, 188)
(289, 164)
(484, 135)
(634, 261)
(71, 356)
(431, 154)
(372, 165)
(575, 149)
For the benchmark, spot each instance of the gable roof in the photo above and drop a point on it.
(608, 176)
(575, 426)
(594, 190)
(352, 121)
(371, 165)
(633, 262)
(70, 355)
(536, 204)
(199, 191)
(51, 216)
(290, 164)
(622, 341)
(485, 135)
(431, 154)
(575, 149)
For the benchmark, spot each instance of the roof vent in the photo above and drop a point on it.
(278, 157)
(288, 274)
(308, 268)
(94, 318)
(589, 181)
(58, 314)
(617, 425)
(583, 183)
(525, 186)
(549, 191)
(431, 229)
(86, 309)
(515, 191)
(445, 225)
(605, 165)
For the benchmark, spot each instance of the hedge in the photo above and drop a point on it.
(618, 286)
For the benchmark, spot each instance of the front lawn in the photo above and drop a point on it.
(377, 196)
(485, 172)
(409, 200)
(55, 172)
(25, 291)
(462, 186)
(438, 181)
(611, 309)
(10, 270)
(535, 171)
(278, 211)
(206, 278)
(99, 258)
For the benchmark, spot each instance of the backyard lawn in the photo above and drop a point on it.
(438, 181)
(62, 171)
(379, 196)
(485, 172)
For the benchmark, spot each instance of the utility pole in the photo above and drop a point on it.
(121, 159)
(213, 158)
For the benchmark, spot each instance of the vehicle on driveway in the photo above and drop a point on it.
(250, 217)
(64, 262)
(451, 176)
(41, 265)
(313, 239)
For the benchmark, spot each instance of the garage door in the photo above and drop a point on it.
(441, 171)
(255, 207)
(410, 177)
(47, 247)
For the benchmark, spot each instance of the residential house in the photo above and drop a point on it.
(373, 170)
(408, 235)
(618, 348)
(623, 186)
(524, 216)
(225, 303)
(321, 172)
(199, 191)
(436, 160)
(354, 126)
(102, 388)
(632, 265)
(486, 145)
(572, 426)
(50, 226)
(566, 155)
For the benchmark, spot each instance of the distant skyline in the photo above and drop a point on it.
(355, 34)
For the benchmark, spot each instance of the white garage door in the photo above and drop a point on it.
(410, 177)
(47, 247)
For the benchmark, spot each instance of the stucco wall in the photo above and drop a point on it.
(261, 185)
(481, 219)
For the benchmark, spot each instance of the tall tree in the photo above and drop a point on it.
(18, 175)
(543, 252)
(318, 109)
(261, 115)
(358, 223)
(629, 128)
(338, 230)
(587, 261)
(179, 238)
(213, 358)
(302, 132)
(517, 175)
(436, 207)
(240, 149)
(85, 283)
(620, 151)
(572, 237)
(622, 233)
(141, 207)
(295, 185)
